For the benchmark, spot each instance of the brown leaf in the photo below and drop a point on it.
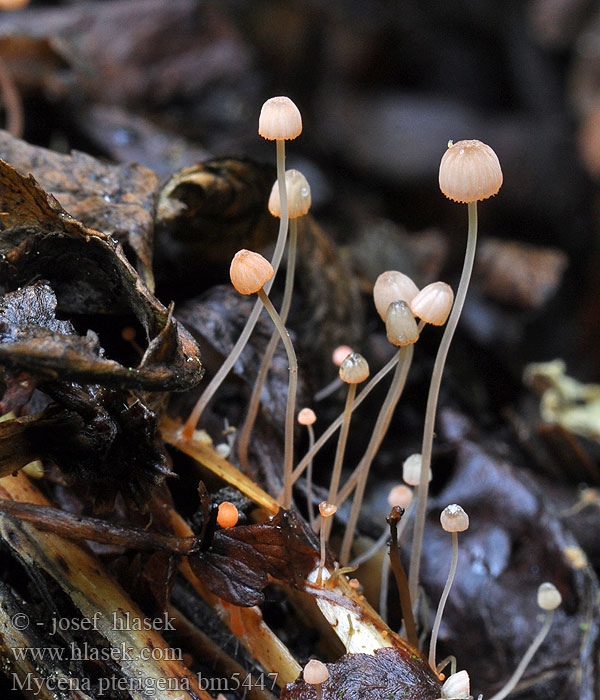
(89, 274)
(117, 200)
(241, 560)
(388, 673)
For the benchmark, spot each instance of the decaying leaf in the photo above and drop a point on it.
(242, 560)
(89, 273)
(386, 674)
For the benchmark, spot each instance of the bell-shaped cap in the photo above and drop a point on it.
(392, 286)
(548, 596)
(354, 369)
(433, 303)
(298, 195)
(469, 171)
(454, 519)
(279, 119)
(249, 271)
(315, 672)
(400, 325)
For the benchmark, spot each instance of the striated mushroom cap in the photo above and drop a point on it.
(470, 171)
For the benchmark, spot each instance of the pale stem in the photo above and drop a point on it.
(442, 604)
(339, 454)
(329, 389)
(191, 423)
(309, 475)
(338, 421)
(362, 470)
(376, 439)
(288, 459)
(246, 430)
(432, 399)
(535, 645)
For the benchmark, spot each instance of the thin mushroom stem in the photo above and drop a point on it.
(432, 399)
(246, 430)
(339, 453)
(298, 471)
(288, 461)
(442, 603)
(361, 472)
(535, 645)
(194, 417)
(309, 480)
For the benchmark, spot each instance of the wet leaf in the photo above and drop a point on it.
(513, 544)
(89, 273)
(241, 560)
(117, 200)
(386, 674)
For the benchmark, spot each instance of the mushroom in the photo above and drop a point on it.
(315, 673)
(279, 120)
(249, 272)
(298, 200)
(308, 418)
(454, 520)
(469, 172)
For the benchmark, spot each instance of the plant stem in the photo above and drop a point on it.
(191, 423)
(442, 603)
(309, 495)
(339, 453)
(516, 676)
(362, 470)
(288, 460)
(246, 430)
(338, 421)
(432, 399)
(401, 580)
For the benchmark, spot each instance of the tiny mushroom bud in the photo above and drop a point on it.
(433, 303)
(392, 286)
(400, 495)
(454, 519)
(354, 369)
(411, 470)
(400, 325)
(298, 195)
(307, 416)
(457, 687)
(327, 509)
(340, 354)
(469, 172)
(279, 119)
(249, 271)
(548, 597)
(315, 673)
(227, 515)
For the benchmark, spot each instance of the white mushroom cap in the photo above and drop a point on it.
(457, 687)
(327, 509)
(249, 271)
(392, 286)
(433, 303)
(454, 518)
(400, 325)
(279, 119)
(354, 369)
(307, 416)
(315, 672)
(548, 597)
(469, 171)
(411, 470)
(298, 195)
